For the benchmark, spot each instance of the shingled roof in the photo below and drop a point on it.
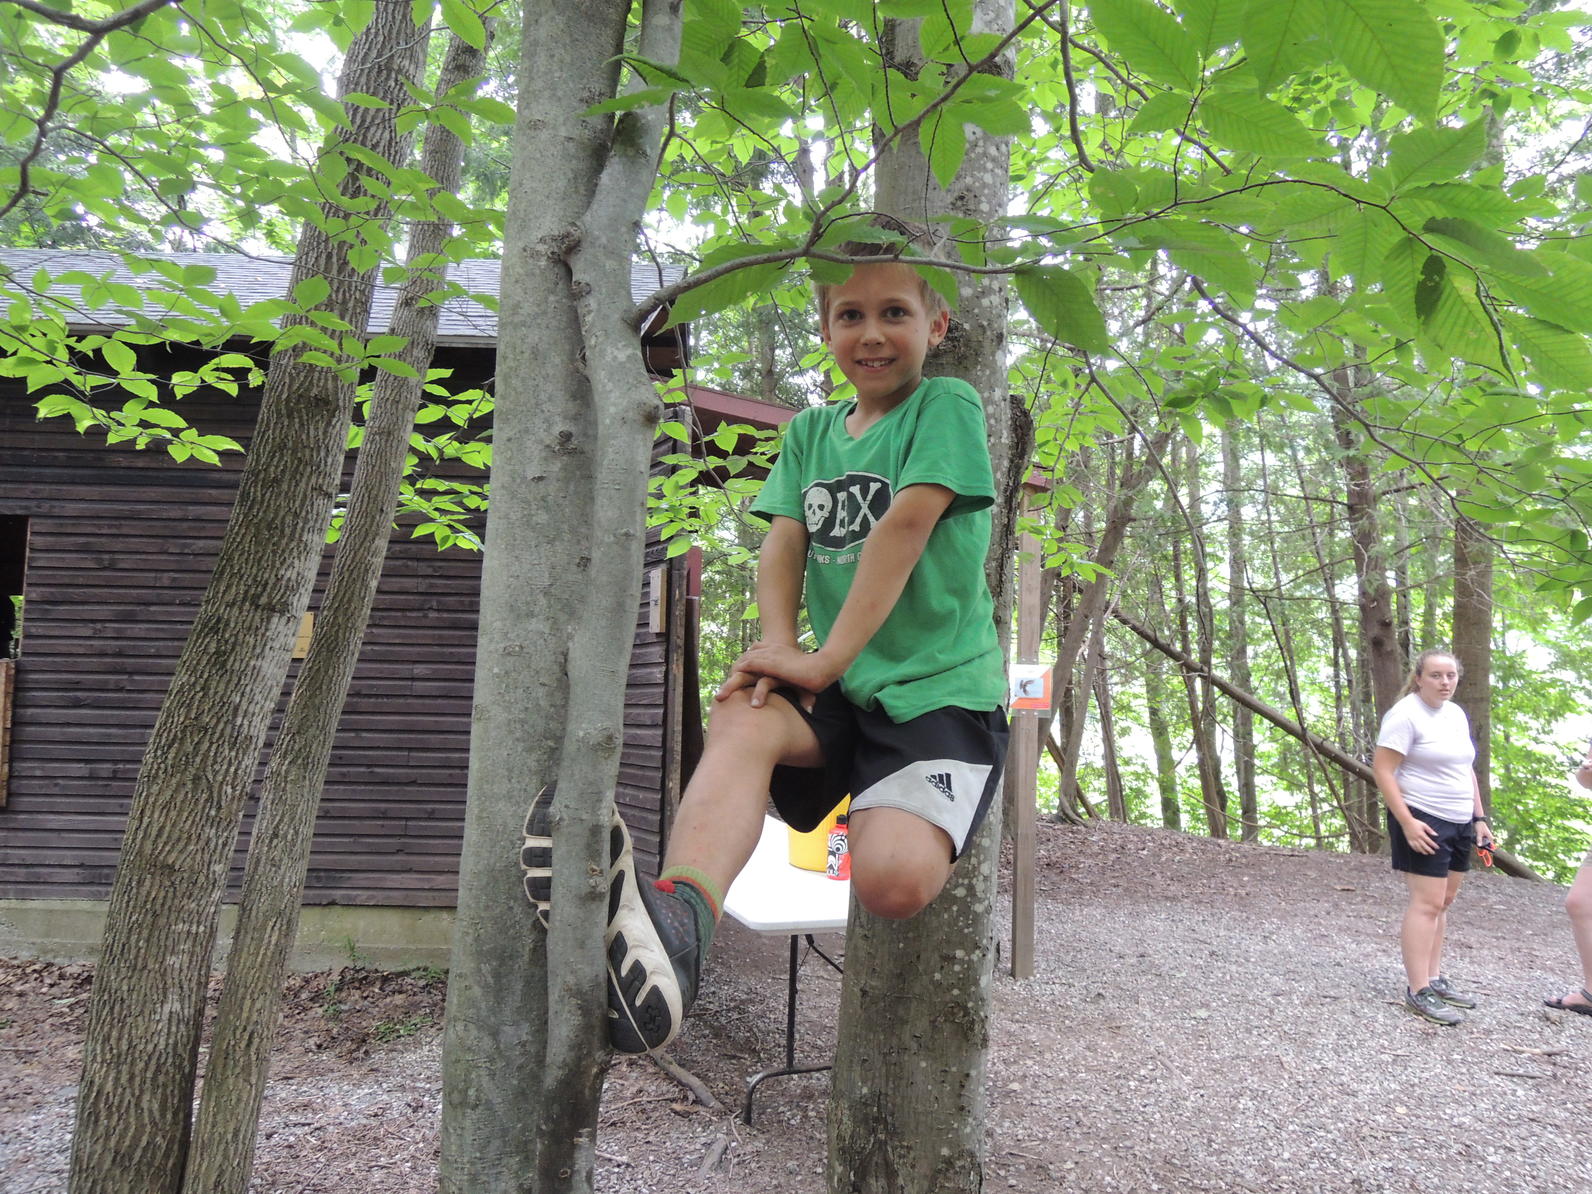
(252, 279)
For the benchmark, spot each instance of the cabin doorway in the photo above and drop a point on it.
(13, 574)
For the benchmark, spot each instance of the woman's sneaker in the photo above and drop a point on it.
(651, 938)
(1427, 1004)
(1447, 992)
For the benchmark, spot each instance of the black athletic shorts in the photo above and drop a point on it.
(1455, 841)
(944, 766)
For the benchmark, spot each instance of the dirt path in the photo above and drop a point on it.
(1206, 1017)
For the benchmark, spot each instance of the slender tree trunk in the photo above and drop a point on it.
(1156, 695)
(1473, 618)
(273, 885)
(135, 1099)
(1238, 637)
(1196, 639)
(907, 1113)
(1101, 687)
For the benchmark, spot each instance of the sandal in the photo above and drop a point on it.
(1580, 1009)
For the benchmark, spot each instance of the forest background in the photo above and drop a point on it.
(1303, 342)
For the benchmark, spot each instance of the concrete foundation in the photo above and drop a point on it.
(329, 936)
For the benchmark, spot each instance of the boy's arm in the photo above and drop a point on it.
(891, 552)
(781, 564)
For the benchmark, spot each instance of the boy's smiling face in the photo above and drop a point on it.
(879, 327)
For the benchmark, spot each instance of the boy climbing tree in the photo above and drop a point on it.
(879, 518)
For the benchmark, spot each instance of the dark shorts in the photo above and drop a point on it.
(1455, 841)
(944, 766)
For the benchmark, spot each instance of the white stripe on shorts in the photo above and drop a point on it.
(944, 792)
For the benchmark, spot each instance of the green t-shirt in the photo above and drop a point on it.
(937, 648)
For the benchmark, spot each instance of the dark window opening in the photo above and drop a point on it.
(13, 570)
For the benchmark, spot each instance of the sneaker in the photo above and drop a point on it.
(651, 938)
(1446, 991)
(536, 855)
(1428, 1005)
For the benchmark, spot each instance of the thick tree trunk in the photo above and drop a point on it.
(908, 1105)
(1378, 627)
(273, 885)
(133, 1112)
(1156, 695)
(1473, 618)
(538, 552)
(526, 1048)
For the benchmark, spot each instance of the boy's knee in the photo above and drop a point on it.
(895, 894)
(1579, 905)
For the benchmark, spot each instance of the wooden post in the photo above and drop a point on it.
(1022, 762)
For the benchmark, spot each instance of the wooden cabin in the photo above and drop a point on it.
(111, 548)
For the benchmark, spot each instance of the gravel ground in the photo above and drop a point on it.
(1205, 1017)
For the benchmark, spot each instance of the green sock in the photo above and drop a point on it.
(701, 893)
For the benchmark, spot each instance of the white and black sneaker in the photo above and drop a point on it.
(651, 938)
(1449, 994)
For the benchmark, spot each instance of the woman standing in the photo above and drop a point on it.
(1579, 905)
(1424, 769)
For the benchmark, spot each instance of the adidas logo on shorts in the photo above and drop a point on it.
(940, 781)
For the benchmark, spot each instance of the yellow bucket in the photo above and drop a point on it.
(810, 851)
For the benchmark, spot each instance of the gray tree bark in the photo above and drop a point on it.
(1473, 623)
(526, 1040)
(908, 1105)
(273, 885)
(134, 1102)
(1238, 637)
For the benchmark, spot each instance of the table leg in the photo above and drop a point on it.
(790, 1028)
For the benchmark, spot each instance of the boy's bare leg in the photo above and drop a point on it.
(899, 861)
(721, 814)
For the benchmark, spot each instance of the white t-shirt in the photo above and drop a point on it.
(1436, 774)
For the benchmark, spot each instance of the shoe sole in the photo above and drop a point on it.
(1431, 1019)
(536, 854)
(644, 1004)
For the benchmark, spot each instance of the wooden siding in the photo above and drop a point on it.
(121, 546)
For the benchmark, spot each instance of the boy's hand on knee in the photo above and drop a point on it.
(784, 664)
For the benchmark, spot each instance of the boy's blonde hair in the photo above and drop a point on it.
(918, 236)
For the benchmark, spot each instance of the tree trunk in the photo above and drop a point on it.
(1378, 628)
(1156, 695)
(273, 885)
(1197, 638)
(134, 1102)
(1473, 617)
(1101, 687)
(908, 1104)
(526, 1044)
(1238, 637)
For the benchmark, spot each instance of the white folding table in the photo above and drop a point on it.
(771, 896)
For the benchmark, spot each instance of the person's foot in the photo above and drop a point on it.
(651, 938)
(1448, 993)
(1579, 1002)
(1427, 1004)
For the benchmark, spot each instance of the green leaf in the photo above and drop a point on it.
(944, 143)
(1482, 247)
(1559, 357)
(1434, 155)
(1361, 243)
(462, 20)
(1452, 316)
(1163, 110)
(1280, 38)
(725, 291)
(1564, 297)
(1401, 271)
(1152, 41)
(1064, 305)
(311, 292)
(1211, 23)
(1392, 46)
(1251, 123)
